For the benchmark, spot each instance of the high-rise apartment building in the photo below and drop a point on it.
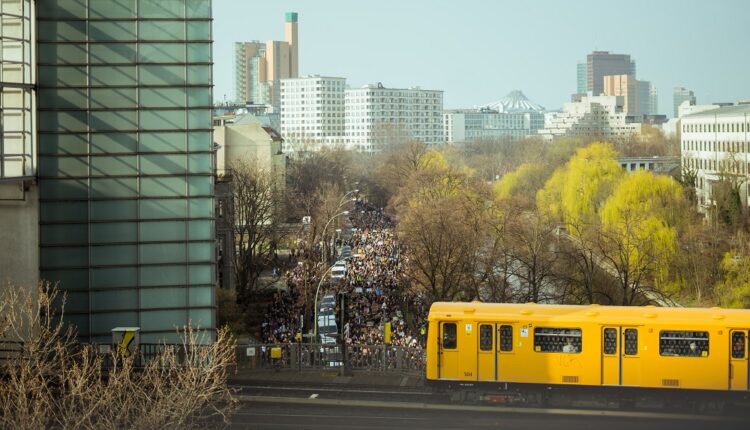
(680, 95)
(377, 116)
(259, 66)
(600, 64)
(312, 112)
(124, 156)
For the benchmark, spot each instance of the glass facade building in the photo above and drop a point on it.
(125, 163)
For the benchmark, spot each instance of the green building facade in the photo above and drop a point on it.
(125, 163)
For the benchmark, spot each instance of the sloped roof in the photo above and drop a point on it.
(515, 101)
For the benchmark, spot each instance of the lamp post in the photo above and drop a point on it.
(324, 252)
(317, 290)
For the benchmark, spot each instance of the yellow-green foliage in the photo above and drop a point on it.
(575, 192)
(522, 180)
(733, 290)
(641, 216)
(432, 160)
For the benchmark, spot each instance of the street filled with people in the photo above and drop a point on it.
(373, 291)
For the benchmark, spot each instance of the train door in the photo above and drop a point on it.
(448, 351)
(504, 351)
(739, 372)
(486, 359)
(621, 363)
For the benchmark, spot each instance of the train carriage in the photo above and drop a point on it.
(501, 345)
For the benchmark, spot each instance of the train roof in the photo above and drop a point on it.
(622, 315)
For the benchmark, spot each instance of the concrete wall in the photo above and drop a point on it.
(19, 235)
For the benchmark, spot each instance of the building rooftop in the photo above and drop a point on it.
(734, 110)
(515, 101)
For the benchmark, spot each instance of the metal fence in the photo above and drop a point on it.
(372, 358)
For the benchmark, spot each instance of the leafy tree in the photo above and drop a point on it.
(734, 289)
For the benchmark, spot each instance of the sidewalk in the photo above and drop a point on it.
(318, 376)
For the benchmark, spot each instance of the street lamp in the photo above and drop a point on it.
(323, 235)
(317, 290)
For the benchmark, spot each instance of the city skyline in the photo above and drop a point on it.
(671, 47)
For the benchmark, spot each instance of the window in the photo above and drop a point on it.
(738, 344)
(506, 338)
(631, 341)
(485, 338)
(449, 336)
(683, 343)
(549, 339)
(610, 341)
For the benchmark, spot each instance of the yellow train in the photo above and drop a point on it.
(588, 346)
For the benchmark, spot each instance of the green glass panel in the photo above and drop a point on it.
(112, 53)
(104, 98)
(162, 97)
(162, 231)
(201, 274)
(115, 165)
(113, 210)
(105, 322)
(114, 255)
(114, 277)
(68, 121)
(63, 99)
(70, 76)
(61, 8)
(64, 234)
(161, 30)
(163, 142)
(63, 144)
(62, 53)
(112, 31)
(202, 318)
(199, 52)
(161, 8)
(114, 300)
(199, 141)
(201, 296)
(163, 298)
(200, 230)
(199, 75)
(163, 120)
(199, 118)
(63, 166)
(112, 143)
(163, 208)
(162, 75)
(104, 76)
(62, 31)
(64, 257)
(158, 164)
(64, 211)
(161, 53)
(64, 189)
(200, 163)
(113, 188)
(200, 185)
(201, 208)
(163, 253)
(76, 301)
(71, 279)
(113, 120)
(112, 9)
(200, 252)
(198, 9)
(162, 275)
(199, 30)
(168, 321)
(199, 97)
(114, 232)
(163, 187)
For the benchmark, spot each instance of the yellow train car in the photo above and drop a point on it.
(588, 346)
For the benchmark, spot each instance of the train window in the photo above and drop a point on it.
(485, 338)
(631, 341)
(506, 338)
(738, 344)
(683, 343)
(549, 339)
(449, 335)
(610, 340)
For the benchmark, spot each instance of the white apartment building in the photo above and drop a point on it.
(312, 112)
(714, 144)
(594, 116)
(376, 115)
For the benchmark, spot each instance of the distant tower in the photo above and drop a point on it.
(290, 33)
(680, 95)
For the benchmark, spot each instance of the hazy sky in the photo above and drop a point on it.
(478, 51)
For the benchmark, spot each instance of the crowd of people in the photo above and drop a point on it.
(372, 289)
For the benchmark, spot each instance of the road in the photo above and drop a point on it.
(300, 407)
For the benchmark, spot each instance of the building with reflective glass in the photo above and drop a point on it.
(126, 213)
